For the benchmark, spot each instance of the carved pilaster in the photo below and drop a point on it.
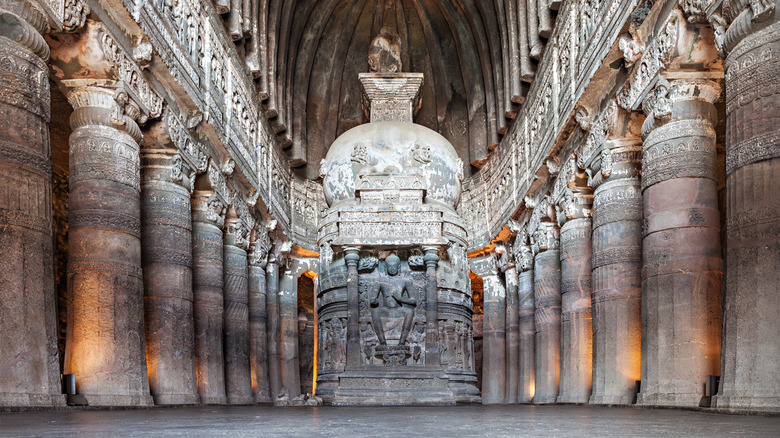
(166, 248)
(682, 264)
(259, 248)
(509, 269)
(208, 219)
(494, 330)
(237, 372)
(28, 318)
(547, 296)
(105, 250)
(526, 308)
(574, 213)
(752, 207)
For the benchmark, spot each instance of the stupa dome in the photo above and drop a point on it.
(394, 149)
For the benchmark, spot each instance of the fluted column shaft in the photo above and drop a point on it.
(352, 257)
(432, 350)
(288, 325)
(105, 343)
(527, 329)
(208, 295)
(576, 316)
(617, 267)
(166, 248)
(682, 262)
(258, 341)
(547, 318)
(751, 346)
(512, 333)
(272, 328)
(238, 380)
(28, 316)
(494, 341)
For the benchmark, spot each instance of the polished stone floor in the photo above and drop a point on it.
(461, 421)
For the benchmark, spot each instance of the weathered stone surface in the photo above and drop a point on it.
(28, 345)
(617, 243)
(208, 295)
(494, 341)
(527, 368)
(166, 250)
(238, 385)
(682, 262)
(749, 363)
(576, 315)
(512, 333)
(272, 328)
(106, 341)
(547, 315)
(288, 334)
(258, 318)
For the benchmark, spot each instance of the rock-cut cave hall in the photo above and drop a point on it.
(558, 205)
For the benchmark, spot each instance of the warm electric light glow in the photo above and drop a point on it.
(532, 389)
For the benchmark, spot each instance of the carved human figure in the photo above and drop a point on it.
(391, 296)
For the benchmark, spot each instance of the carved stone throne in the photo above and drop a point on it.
(392, 187)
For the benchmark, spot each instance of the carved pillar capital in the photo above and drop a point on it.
(521, 249)
(573, 197)
(94, 56)
(676, 99)
(260, 246)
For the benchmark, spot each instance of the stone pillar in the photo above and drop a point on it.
(616, 288)
(288, 329)
(105, 342)
(576, 317)
(512, 326)
(166, 249)
(28, 315)
(351, 258)
(238, 380)
(527, 326)
(493, 332)
(682, 263)
(258, 318)
(272, 329)
(207, 290)
(751, 346)
(432, 351)
(547, 294)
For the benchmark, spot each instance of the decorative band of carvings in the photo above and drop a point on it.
(761, 147)
(21, 219)
(683, 149)
(167, 256)
(11, 154)
(102, 120)
(211, 279)
(111, 267)
(580, 284)
(29, 89)
(235, 284)
(105, 220)
(619, 202)
(236, 311)
(547, 315)
(582, 314)
(753, 223)
(617, 255)
(607, 295)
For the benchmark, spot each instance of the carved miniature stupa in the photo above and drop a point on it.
(394, 303)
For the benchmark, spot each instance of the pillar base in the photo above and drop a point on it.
(573, 398)
(16, 399)
(525, 400)
(732, 403)
(619, 400)
(235, 401)
(670, 400)
(387, 388)
(118, 400)
(545, 400)
(213, 400)
(176, 399)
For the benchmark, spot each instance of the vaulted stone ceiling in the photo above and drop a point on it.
(316, 48)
